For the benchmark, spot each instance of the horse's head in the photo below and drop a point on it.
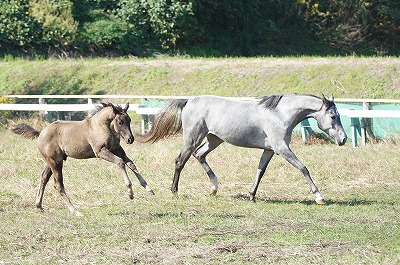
(122, 123)
(328, 120)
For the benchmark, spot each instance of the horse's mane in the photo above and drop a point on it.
(270, 102)
(103, 105)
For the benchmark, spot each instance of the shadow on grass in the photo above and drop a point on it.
(352, 202)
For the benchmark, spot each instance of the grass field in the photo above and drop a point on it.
(345, 77)
(359, 225)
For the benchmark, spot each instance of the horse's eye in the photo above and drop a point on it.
(333, 117)
(121, 123)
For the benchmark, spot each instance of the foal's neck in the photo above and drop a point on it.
(104, 116)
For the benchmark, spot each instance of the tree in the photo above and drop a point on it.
(353, 24)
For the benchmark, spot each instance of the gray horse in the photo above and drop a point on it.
(265, 123)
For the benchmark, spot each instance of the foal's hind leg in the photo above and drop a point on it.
(202, 151)
(46, 173)
(56, 168)
(121, 153)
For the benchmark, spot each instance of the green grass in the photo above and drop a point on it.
(359, 225)
(345, 77)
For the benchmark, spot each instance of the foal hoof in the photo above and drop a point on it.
(320, 201)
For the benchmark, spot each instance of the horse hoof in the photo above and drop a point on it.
(131, 196)
(213, 192)
(320, 201)
(151, 192)
(77, 213)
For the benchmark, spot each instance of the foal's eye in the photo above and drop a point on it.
(121, 123)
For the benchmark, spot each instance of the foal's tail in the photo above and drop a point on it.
(167, 122)
(26, 131)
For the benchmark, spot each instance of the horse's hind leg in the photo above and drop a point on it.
(202, 151)
(59, 184)
(262, 166)
(189, 146)
(46, 173)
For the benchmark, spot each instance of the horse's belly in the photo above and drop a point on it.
(244, 137)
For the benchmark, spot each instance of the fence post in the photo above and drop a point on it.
(46, 115)
(367, 127)
(354, 123)
(305, 128)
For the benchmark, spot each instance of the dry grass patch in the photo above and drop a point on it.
(359, 225)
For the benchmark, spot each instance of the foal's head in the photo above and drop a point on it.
(329, 121)
(122, 122)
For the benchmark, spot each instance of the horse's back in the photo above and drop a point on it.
(239, 122)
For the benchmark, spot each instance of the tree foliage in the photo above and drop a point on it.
(200, 27)
(350, 24)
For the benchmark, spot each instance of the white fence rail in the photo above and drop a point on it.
(147, 112)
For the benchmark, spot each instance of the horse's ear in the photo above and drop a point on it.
(126, 107)
(326, 102)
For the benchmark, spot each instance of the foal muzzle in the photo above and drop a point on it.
(130, 140)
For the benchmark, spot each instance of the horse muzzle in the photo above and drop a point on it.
(342, 138)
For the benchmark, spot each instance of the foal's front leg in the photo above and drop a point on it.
(110, 157)
(121, 153)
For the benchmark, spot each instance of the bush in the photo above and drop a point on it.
(162, 19)
(55, 17)
(105, 33)
(17, 26)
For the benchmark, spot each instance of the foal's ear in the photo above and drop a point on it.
(126, 107)
(115, 108)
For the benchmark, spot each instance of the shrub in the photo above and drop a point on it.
(164, 19)
(17, 26)
(55, 18)
(105, 33)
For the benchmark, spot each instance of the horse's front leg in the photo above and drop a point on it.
(110, 157)
(294, 161)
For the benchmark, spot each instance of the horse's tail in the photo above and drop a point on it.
(166, 122)
(26, 131)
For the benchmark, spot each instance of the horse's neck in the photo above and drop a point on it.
(299, 108)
